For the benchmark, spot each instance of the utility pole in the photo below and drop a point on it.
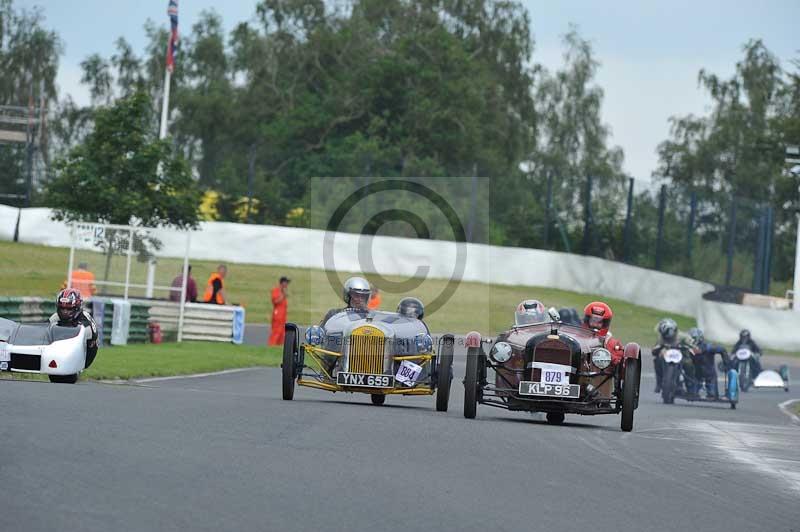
(793, 158)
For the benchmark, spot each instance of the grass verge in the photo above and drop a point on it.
(31, 270)
(166, 360)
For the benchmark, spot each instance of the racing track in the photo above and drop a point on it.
(226, 453)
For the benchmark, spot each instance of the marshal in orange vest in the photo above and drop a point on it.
(214, 287)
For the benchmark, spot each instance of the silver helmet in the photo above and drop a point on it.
(356, 286)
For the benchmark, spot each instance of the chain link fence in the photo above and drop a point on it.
(718, 237)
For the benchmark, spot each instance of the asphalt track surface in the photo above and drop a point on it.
(226, 453)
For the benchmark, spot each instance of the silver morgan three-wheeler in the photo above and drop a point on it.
(374, 352)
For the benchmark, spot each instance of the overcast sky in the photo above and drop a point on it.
(650, 51)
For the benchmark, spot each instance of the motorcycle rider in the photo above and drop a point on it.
(355, 294)
(704, 354)
(70, 313)
(670, 338)
(529, 311)
(746, 342)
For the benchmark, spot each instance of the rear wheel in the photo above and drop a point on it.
(630, 385)
(64, 379)
(668, 383)
(378, 399)
(444, 373)
(288, 366)
(471, 383)
(555, 418)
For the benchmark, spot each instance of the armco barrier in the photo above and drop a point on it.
(213, 323)
(26, 309)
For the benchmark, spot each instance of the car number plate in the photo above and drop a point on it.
(364, 380)
(5, 355)
(565, 391)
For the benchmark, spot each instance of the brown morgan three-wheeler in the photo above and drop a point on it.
(553, 368)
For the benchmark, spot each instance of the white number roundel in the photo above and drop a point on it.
(673, 355)
(743, 354)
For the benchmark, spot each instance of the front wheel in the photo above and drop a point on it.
(64, 379)
(444, 373)
(378, 399)
(555, 418)
(629, 393)
(471, 383)
(744, 376)
(288, 366)
(668, 382)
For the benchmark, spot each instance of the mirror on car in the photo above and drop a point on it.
(554, 315)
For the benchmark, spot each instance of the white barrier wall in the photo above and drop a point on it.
(289, 246)
(8, 221)
(774, 329)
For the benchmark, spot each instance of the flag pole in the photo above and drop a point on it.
(172, 13)
(162, 133)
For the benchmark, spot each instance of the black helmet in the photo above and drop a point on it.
(668, 329)
(697, 335)
(744, 335)
(411, 307)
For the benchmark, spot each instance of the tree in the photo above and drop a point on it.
(29, 56)
(735, 153)
(122, 174)
(113, 177)
(571, 144)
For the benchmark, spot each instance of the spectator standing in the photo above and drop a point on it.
(83, 281)
(280, 304)
(215, 289)
(177, 284)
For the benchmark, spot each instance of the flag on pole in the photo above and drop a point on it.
(172, 11)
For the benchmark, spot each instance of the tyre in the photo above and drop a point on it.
(668, 381)
(629, 393)
(288, 366)
(64, 379)
(555, 418)
(444, 373)
(733, 387)
(378, 399)
(744, 376)
(471, 383)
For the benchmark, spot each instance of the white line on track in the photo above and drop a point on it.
(765, 449)
(786, 409)
(194, 375)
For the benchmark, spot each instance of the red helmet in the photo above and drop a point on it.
(69, 304)
(597, 316)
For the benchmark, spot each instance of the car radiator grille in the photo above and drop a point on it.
(366, 350)
(551, 352)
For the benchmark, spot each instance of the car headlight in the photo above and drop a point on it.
(314, 335)
(601, 358)
(424, 343)
(501, 352)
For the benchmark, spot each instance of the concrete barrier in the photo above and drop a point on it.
(773, 329)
